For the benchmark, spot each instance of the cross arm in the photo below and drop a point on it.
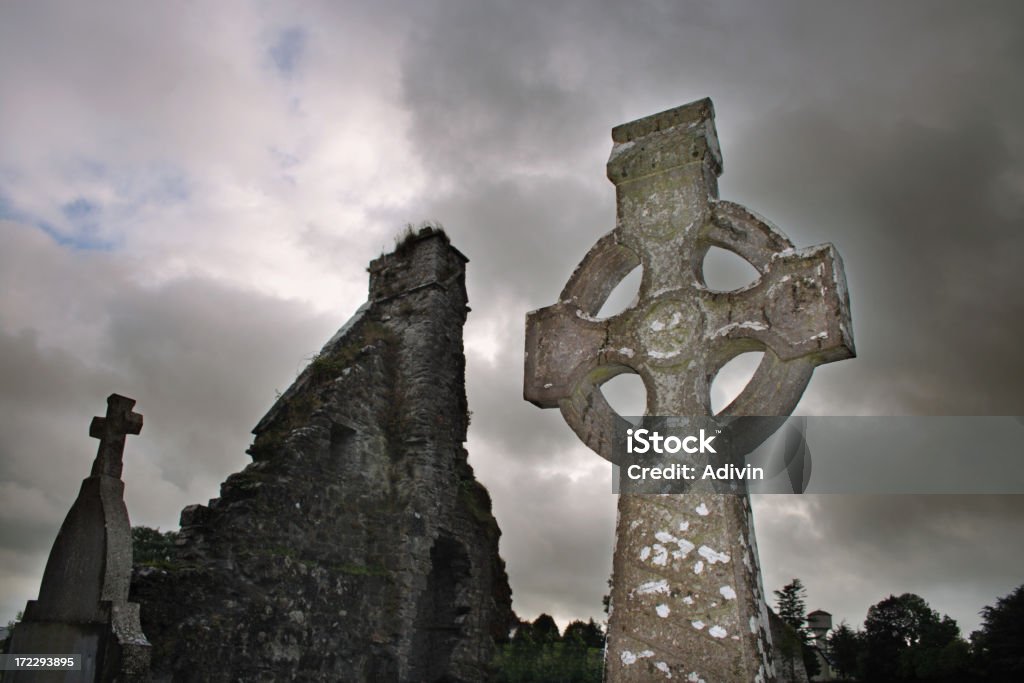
(111, 431)
(799, 308)
(562, 345)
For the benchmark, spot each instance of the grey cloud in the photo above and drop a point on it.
(930, 256)
(853, 551)
(491, 88)
(202, 358)
(510, 425)
(556, 533)
(46, 401)
(889, 129)
(207, 358)
(44, 421)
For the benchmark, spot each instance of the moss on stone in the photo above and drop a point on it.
(361, 570)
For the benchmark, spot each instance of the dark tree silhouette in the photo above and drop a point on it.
(589, 634)
(791, 607)
(999, 644)
(906, 639)
(545, 630)
(151, 546)
(538, 654)
(845, 647)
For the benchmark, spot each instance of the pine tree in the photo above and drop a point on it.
(792, 609)
(791, 605)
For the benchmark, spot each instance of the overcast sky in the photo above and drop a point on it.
(189, 197)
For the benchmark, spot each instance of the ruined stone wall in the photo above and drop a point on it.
(789, 659)
(357, 546)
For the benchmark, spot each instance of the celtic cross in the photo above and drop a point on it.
(687, 600)
(111, 431)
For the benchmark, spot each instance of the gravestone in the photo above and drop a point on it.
(83, 606)
(687, 601)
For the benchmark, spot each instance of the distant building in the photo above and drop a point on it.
(819, 623)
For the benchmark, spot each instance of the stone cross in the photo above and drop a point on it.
(687, 601)
(111, 431)
(83, 605)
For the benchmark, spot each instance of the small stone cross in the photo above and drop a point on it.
(687, 600)
(111, 431)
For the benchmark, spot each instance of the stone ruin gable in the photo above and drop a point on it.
(357, 546)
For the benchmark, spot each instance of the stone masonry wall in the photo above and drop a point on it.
(357, 546)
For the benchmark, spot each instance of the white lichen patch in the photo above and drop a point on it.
(628, 353)
(782, 281)
(702, 510)
(645, 552)
(753, 624)
(684, 526)
(663, 668)
(727, 592)
(652, 587)
(621, 148)
(746, 325)
(699, 567)
(661, 552)
(684, 548)
(688, 600)
(717, 632)
(712, 556)
(628, 657)
(698, 624)
(662, 610)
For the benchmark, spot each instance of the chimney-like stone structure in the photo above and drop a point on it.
(358, 546)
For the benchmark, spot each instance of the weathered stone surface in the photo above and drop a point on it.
(687, 599)
(357, 546)
(788, 669)
(83, 603)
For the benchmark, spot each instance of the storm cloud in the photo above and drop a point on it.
(188, 202)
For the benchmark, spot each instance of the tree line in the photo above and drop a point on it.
(904, 639)
(538, 653)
